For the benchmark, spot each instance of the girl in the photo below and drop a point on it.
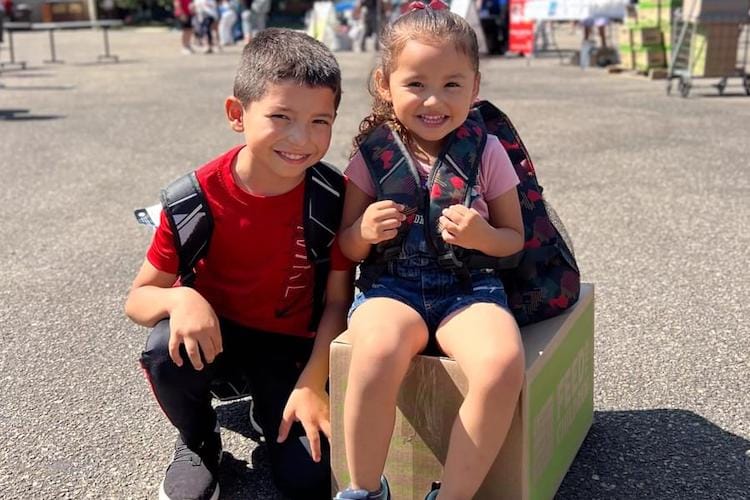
(423, 89)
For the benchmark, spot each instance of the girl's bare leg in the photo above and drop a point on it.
(486, 343)
(387, 334)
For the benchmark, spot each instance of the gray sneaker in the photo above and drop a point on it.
(351, 494)
(193, 474)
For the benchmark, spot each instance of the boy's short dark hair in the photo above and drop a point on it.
(275, 55)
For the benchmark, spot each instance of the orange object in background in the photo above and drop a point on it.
(64, 10)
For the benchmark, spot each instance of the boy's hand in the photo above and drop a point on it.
(381, 220)
(193, 322)
(463, 226)
(310, 408)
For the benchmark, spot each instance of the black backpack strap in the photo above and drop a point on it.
(395, 178)
(477, 260)
(450, 183)
(324, 204)
(191, 222)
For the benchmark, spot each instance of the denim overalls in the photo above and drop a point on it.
(417, 280)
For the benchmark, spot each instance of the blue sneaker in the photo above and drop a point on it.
(433, 494)
(351, 494)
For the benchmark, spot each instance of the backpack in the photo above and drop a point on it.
(191, 222)
(542, 280)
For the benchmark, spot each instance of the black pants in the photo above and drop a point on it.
(206, 29)
(272, 363)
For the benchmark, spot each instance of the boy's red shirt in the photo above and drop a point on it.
(256, 272)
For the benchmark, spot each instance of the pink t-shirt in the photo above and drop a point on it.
(496, 175)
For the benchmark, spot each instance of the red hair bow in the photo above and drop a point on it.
(434, 5)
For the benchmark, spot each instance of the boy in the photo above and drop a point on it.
(251, 302)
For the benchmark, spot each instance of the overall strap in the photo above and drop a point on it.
(324, 203)
(396, 178)
(191, 222)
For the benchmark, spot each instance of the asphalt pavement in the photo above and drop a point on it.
(653, 189)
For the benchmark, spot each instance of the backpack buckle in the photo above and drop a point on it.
(390, 253)
(449, 261)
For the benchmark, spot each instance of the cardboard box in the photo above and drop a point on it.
(624, 36)
(714, 49)
(627, 60)
(716, 10)
(645, 58)
(631, 15)
(649, 57)
(666, 35)
(656, 14)
(645, 37)
(649, 15)
(552, 417)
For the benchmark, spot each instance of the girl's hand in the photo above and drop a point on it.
(193, 322)
(310, 408)
(463, 226)
(380, 221)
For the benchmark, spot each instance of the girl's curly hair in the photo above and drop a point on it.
(427, 26)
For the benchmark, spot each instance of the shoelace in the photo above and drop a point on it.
(184, 454)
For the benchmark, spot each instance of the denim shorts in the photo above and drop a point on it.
(433, 292)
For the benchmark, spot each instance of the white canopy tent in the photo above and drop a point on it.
(573, 10)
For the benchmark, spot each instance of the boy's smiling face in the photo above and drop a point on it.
(286, 131)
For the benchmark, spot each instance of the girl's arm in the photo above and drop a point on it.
(507, 236)
(503, 235)
(365, 223)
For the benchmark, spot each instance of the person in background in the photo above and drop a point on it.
(254, 17)
(208, 15)
(2, 19)
(598, 22)
(489, 18)
(372, 13)
(183, 15)
(227, 20)
(245, 15)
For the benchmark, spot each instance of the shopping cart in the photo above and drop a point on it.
(708, 49)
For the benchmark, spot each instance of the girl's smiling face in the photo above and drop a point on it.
(432, 88)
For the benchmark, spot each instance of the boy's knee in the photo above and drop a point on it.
(155, 357)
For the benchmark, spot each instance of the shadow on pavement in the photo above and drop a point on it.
(240, 478)
(658, 454)
(26, 74)
(37, 87)
(107, 63)
(235, 416)
(727, 93)
(626, 455)
(23, 115)
(247, 480)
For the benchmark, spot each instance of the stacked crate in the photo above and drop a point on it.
(646, 37)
